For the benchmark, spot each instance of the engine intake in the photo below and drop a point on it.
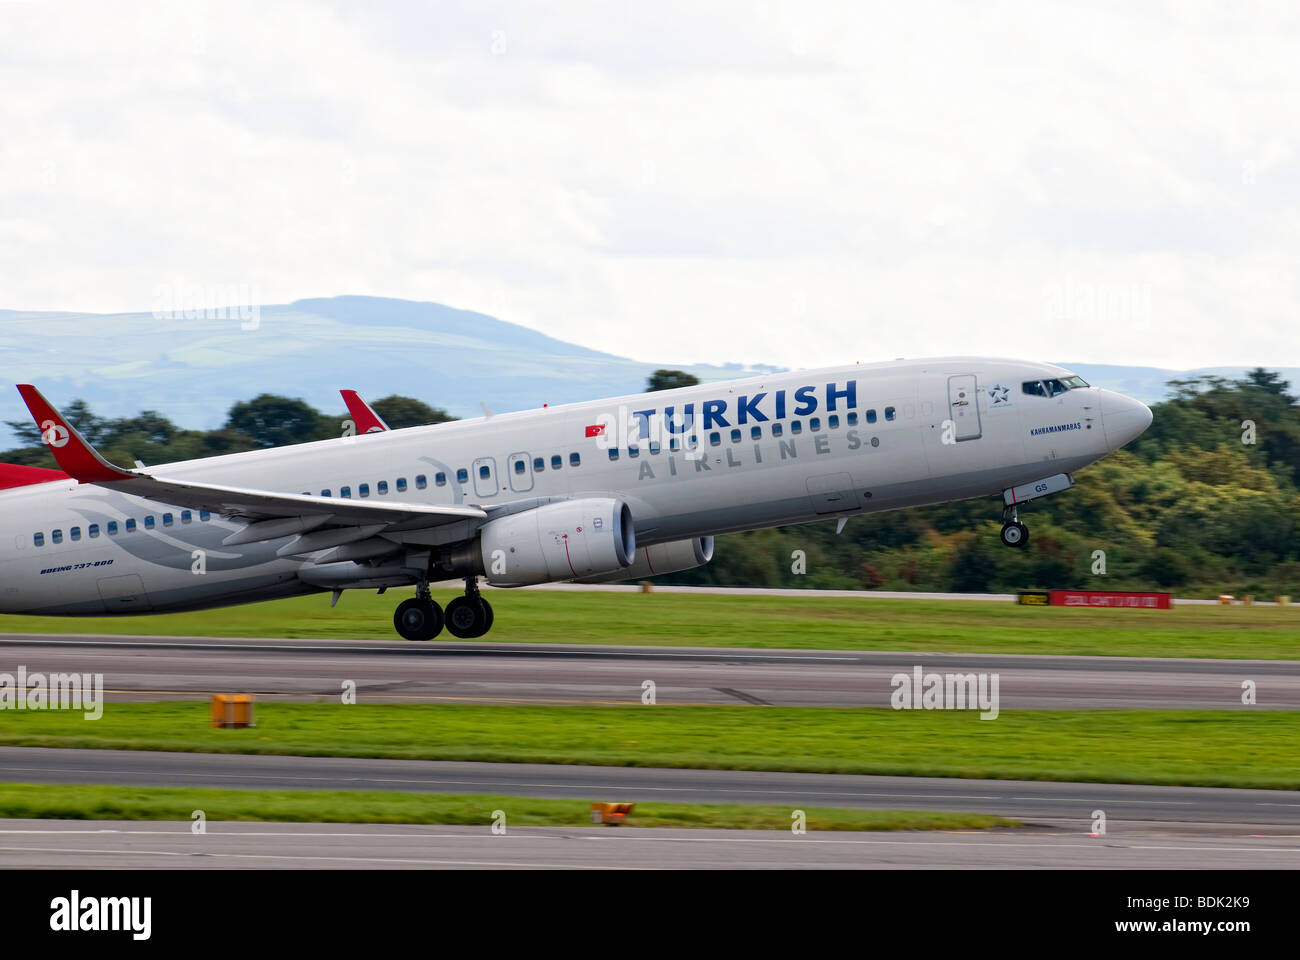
(569, 540)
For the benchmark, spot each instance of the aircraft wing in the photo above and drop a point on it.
(83, 463)
(362, 413)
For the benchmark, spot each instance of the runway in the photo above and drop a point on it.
(1024, 800)
(161, 668)
(240, 846)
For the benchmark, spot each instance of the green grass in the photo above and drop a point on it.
(93, 802)
(1194, 747)
(747, 621)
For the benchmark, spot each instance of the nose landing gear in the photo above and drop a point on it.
(1014, 533)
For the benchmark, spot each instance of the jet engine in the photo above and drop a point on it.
(568, 540)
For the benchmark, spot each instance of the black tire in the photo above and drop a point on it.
(467, 618)
(417, 619)
(1015, 534)
(487, 615)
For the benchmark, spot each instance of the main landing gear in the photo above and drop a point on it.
(1014, 533)
(466, 617)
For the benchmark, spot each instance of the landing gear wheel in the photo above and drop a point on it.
(418, 619)
(468, 617)
(1015, 534)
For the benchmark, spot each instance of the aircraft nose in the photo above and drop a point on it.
(1123, 418)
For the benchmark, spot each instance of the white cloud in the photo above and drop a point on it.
(797, 183)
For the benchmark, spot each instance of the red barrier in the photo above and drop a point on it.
(1109, 598)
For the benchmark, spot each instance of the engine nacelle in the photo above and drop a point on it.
(662, 558)
(561, 541)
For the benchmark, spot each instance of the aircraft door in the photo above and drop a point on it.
(521, 472)
(485, 477)
(963, 406)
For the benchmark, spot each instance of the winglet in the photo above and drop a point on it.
(362, 414)
(77, 457)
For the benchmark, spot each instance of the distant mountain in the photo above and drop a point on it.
(1148, 384)
(193, 370)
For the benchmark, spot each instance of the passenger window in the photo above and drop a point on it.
(401, 484)
(421, 481)
(462, 475)
(38, 539)
(889, 413)
(574, 460)
(74, 533)
(634, 451)
(539, 464)
(735, 436)
(833, 421)
(484, 472)
(654, 447)
(187, 517)
(520, 467)
(853, 419)
(613, 453)
(363, 489)
(796, 426)
(112, 528)
(381, 487)
(93, 530)
(205, 516)
(345, 493)
(56, 536)
(673, 444)
(130, 525)
(715, 438)
(439, 480)
(815, 424)
(777, 429)
(871, 416)
(556, 462)
(168, 519)
(150, 522)
(756, 433)
(326, 493)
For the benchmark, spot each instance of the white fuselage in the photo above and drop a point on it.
(853, 439)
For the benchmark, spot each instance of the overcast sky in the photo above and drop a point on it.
(793, 183)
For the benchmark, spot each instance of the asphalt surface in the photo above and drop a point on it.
(1023, 800)
(238, 846)
(393, 671)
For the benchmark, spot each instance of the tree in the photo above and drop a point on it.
(400, 412)
(1269, 381)
(670, 380)
(273, 421)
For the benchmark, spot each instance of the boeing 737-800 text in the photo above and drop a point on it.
(588, 492)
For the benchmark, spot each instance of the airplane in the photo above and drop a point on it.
(591, 492)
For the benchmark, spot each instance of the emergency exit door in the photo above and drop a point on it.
(964, 407)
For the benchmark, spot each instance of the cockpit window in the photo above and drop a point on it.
(1052, 387)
